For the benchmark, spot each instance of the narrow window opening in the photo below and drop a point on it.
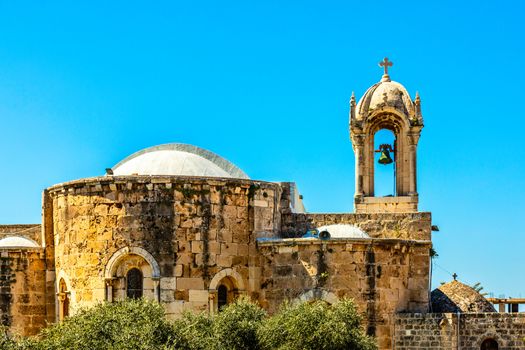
(134, 281)
(222, 292)
(489, 344)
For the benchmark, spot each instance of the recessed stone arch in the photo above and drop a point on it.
(387, 118)
(113, 262)
(227, 284)
(62, 275)
(124, 260)
(238, 280)
(317, 294)
(64, 295)
(485, 339)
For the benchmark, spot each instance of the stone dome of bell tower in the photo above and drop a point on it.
(386, 105)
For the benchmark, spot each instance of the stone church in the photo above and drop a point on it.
(181, 225)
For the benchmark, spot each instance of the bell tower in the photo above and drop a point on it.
(386, 105)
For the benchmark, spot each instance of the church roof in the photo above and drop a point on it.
(455, 296)
(177, 159)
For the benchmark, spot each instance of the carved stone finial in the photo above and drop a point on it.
(385, 63)
(417, 103)
(352, 107)
(352, 100)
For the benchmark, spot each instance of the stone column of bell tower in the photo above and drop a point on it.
(386, 105)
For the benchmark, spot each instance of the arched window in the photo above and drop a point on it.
(222, 294)
(489, 344)
(134, 283)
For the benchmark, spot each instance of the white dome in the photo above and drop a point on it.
(177, 159)
(17, 242)
(344, 231)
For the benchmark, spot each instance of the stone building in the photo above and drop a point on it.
(183, 226)
(460, 318)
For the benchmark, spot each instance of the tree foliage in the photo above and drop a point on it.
(242, 325)
(129, 324)
(235, 327)
(315, 325)
(479, 288)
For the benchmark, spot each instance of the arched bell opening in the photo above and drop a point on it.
(393, 180)
(385, 163)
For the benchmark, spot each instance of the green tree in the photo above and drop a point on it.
(142, 325)
(6, 341)
(313, 326)
(479, 288)
(195, 331)
(235, 327)
(128, 324)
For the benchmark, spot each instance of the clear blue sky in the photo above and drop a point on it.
(266, 85)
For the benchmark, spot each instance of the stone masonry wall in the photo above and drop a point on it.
(382, 276)
(415, 226)
(193, 228)
(440, 331)
(23, 290)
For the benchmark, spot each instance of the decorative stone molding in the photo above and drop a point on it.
(113, 262)
(237, 279)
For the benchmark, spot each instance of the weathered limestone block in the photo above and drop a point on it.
(199, 296)
(190, 283)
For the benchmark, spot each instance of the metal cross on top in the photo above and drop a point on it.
(455, 275)
(385, 63)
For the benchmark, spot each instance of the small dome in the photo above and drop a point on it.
(338, 231)
(343, 231)
(177, 159)
(17, 242)
(458, 297)
(383, 94)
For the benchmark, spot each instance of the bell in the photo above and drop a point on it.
(384, 158)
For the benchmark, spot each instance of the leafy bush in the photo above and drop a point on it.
(130, 324)
(235, 327)
(242, 325)
(6, 342)
(313, 326)
(9, 342)
(195, 332)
